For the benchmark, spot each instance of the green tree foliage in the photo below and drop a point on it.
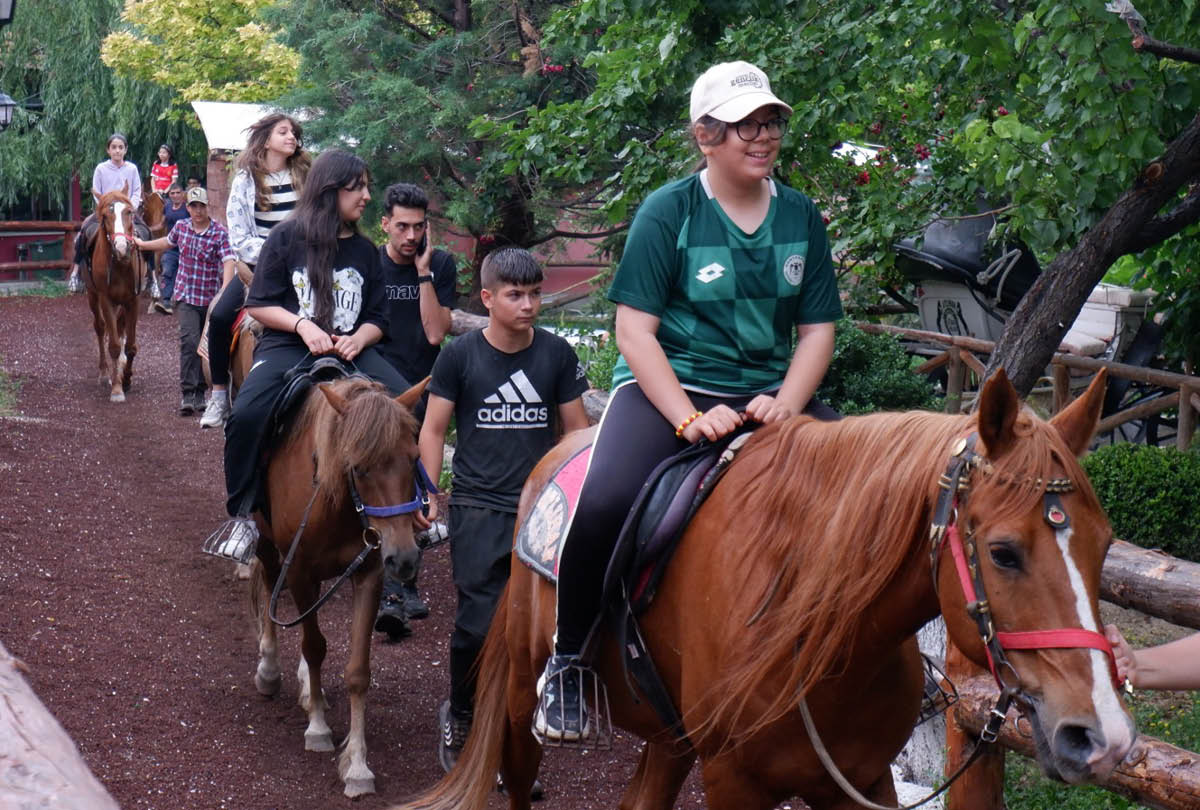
(402, 81)
(873, 373)
(49, 55)
(1041, 108)
(204, 50)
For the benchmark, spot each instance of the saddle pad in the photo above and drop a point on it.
(539, 541)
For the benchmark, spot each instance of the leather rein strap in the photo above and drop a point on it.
(955, 486)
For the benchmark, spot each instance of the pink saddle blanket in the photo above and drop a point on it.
(539, 541)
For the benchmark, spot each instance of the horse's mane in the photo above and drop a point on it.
(374, 429)
(838, 508)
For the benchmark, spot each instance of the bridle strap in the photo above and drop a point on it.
(423, 486)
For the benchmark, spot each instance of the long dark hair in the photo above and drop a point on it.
(253, 158)
(318, 221)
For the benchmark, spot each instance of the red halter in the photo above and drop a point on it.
(970, 576)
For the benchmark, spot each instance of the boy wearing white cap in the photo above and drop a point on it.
(726, 299)
(206, 263)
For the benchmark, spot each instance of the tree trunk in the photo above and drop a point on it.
(39, 764)
(1054, 301)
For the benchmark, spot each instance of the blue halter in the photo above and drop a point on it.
(422, 486)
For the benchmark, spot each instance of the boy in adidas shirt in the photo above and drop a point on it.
(510, 387)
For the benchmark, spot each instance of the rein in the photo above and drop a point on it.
(422, 486)
(955, 486)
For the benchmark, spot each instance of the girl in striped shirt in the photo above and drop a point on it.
(270, 173)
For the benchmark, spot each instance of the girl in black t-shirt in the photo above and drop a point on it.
(317, 290)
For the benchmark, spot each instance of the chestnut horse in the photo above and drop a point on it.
(801, 582)
(155, 217)
(113, 282)
(349, 437)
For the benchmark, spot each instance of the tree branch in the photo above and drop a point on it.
(395, 16)
(1146, 43)
(537, 240)
(1162, 228)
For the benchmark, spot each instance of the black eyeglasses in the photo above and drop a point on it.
(748, 129)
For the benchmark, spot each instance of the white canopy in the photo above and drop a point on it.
(226, 123)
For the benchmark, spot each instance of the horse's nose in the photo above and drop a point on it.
(401, 564)
(1084, 752)
(122, 245)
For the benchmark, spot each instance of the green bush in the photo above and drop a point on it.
(1150, 495)
(873, 373)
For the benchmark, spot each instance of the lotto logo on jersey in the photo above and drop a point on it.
(516, 404)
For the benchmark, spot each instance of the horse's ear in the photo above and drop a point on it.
(335, 399)
(410, 397)
(998, 408)
(1077, 422)
(125, 188)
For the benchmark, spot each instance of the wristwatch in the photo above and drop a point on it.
(425, 279)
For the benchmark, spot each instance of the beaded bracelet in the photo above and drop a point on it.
(684, 424)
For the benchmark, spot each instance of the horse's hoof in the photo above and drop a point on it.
(242, 571)
(318, 741)
(118, 397)
(359, 787)
(267, 687)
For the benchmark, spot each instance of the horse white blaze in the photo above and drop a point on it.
(120, 239)
(1114, 723)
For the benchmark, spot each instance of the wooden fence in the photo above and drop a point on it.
(63, 264)
(961, 363)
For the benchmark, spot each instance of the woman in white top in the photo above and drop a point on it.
(270, 173)
(114, 174)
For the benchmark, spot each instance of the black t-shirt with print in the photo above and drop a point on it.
(281, 279)
(506, 411)
(405, 346)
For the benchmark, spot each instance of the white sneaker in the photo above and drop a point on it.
(216, 412)
(74, 285)
(241, 542)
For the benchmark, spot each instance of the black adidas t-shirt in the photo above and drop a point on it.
(405, 346)
(281, 279)
(506, 411)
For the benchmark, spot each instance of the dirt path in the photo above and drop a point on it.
(143, 647)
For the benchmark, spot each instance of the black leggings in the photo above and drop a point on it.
(633, 439)
(220, 329)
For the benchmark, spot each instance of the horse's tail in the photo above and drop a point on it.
(473, 779)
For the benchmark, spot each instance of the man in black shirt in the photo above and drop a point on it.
(419, 287)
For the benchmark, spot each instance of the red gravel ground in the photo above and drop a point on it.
(143, 647)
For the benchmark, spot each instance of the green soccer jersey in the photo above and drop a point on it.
(728, 301)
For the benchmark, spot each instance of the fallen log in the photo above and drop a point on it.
(1152, 582)
(1154, 773)
(40, 766)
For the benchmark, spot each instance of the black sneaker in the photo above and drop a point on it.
(414, 605)
(392, 617)
(186, 406)
(453, 728)
(561, 712)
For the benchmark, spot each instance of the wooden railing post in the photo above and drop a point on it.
(1187, 416)
(1062, 387)
(955, 372)
(981, 786)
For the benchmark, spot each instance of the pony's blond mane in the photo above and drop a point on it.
(837, 509)
(374, 429)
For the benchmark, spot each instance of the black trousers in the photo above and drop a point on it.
(191, 373)
(244, 440)
(220, 329)
(633, 439)
(480, 553)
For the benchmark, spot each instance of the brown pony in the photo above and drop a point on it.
(352, 444)
(806, 575)
(155, 217)
(113, 281)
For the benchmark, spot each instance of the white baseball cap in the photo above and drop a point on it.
(197, 195)
(730, 91)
